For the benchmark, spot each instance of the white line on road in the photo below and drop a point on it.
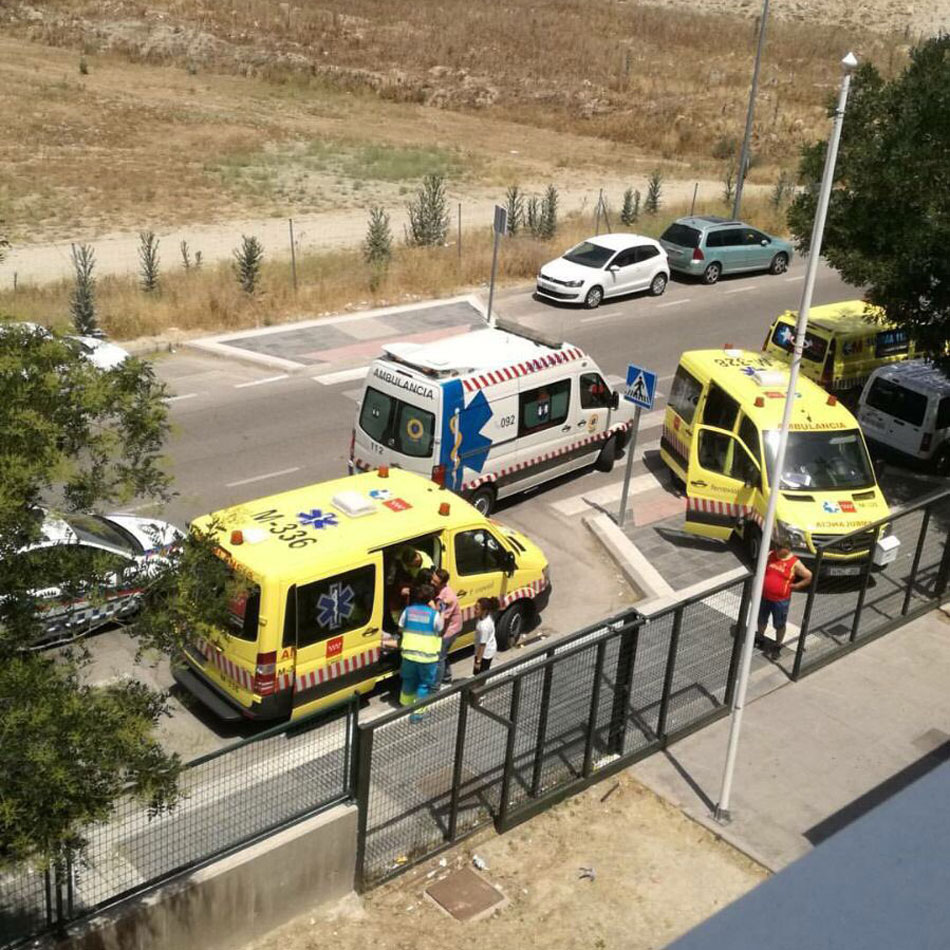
(604, 496)
(674, 303)
(261, 382)
(344, 376)
(798, 277)
(179, 398)
(601, 316)
(738, 290)
(260, 478)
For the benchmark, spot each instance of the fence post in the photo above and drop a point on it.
(943, 573)
(924, 525)
(806, 617)
(364, 745)
(738, 632)
(352, 745)
(865, 580)
(542, 727)
(510, 750)
(293, 254)
(668, 677)
(48, 888)
(457, 763)
(626, 662)
(594, 703)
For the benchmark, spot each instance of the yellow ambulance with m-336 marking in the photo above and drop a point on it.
(720, 437)
(324, 566)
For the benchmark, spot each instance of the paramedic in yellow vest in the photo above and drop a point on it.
(421, 645)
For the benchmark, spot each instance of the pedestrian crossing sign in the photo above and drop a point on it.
(641, 387)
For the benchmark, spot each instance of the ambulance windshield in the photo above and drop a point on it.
(821, 461)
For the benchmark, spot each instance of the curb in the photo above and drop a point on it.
(638, 571)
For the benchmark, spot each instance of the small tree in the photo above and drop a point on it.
(651, 204)
(247, 263)
(82, 304)
(378, 246)
(198, 260)
(782, 190)
(514, 202)
(428, 214)
(630, 211)
(549, 213)
(148, 261)
(728, 185)
(185, 255)
(534, 216)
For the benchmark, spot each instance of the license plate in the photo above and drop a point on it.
(850, 571)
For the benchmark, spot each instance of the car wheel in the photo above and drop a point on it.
(941, 462)
(512, 626)
(712, 273)
(594, 298)
(483, 499)
(658, 285)
(607, 456)
(779, 264)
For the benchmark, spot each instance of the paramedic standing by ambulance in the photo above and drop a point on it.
(421, 647)
(783, 573)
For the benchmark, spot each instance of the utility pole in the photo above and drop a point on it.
(750, 113)
(722, 815)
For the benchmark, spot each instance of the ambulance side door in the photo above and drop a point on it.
(721, 483)
(681, 407)
(480, 565)
(546, 426)
(595, 399)
(335, 624)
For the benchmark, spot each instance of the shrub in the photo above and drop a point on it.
(728, 185)
(514, 202)
(549, 213)
(630, 210)
(148, 261)
(428, 214)
(378, 245)
(248, 258)
(82, 304)
(185, 255)
(534, 215)
(651, 204)
(782, 190)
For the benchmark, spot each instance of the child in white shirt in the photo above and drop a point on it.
(485, 645)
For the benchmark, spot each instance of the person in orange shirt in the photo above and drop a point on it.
(783, 573)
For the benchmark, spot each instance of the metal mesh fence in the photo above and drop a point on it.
(854, 597)
(229, 798)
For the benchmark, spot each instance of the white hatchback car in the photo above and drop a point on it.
(607, 265)
(128, 549)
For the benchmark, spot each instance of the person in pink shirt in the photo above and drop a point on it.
(448, 603)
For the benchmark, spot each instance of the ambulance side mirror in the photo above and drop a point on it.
(615, 400)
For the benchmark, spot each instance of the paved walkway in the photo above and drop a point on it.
(816, 754)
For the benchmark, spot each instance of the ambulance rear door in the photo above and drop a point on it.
(721, 483)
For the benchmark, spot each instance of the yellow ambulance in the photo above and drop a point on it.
(720, 436)
(844, 343)
(324, 566)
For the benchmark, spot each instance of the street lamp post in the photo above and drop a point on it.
(848, 65)
(750, 112)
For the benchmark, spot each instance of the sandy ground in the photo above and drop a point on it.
(117, 253)
(657, 874)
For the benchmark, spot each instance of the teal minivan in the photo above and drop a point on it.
(708, 246)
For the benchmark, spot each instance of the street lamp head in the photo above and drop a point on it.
(850, 63)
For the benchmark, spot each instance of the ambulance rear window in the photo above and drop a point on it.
(783, 336)
(244, 613)
(399, 425)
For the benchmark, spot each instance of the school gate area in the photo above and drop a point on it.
(495, 749)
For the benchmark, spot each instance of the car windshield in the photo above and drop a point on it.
(94, 529)
(821, 461)
(681, 234)
(590, 255)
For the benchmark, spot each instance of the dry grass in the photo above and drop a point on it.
(210, 299)
(247, 88)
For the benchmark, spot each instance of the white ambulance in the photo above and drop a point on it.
(488, 413)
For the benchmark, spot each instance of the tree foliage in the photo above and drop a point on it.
(82, 304)
(514, 203)
(248, 258)
(428, 214)
(654, 197)
(148, 260)
(630, 209)
(888, 225)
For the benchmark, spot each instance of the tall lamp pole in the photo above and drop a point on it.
(750, 113)
(848, 65)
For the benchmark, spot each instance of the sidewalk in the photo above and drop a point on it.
(817, 754)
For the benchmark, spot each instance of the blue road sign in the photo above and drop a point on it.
(641, 387)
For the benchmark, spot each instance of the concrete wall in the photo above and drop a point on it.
(237, 899)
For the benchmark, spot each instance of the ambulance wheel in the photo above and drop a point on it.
(608, 455)
(779, 264)
(512, 626)
(483, 499)
(941, 461)
(752, 537)
(594, 298)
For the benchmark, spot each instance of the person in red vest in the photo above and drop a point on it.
(783, 573)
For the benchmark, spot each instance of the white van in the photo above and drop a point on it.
(488, 413)
(905, 407)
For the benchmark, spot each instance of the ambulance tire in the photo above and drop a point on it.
(512, 625)
(608, 455)
(483, 499)
(752, 539)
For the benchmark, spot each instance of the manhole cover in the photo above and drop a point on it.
(465, 895)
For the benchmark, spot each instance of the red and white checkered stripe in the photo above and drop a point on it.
(333, 670)
(710, 506)
(545, 457)
(481, 380)
(228, 667)
(528, 591)
(361, 465)
(285, 681)
(671, 436)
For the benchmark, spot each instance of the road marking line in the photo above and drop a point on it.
(674, 303)
(798, 277)
(601, 316)
(605, 496)
(260, 478)
(650, 419)
(261, 382)
(738, 290)
(344, 376)
(179, 398)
